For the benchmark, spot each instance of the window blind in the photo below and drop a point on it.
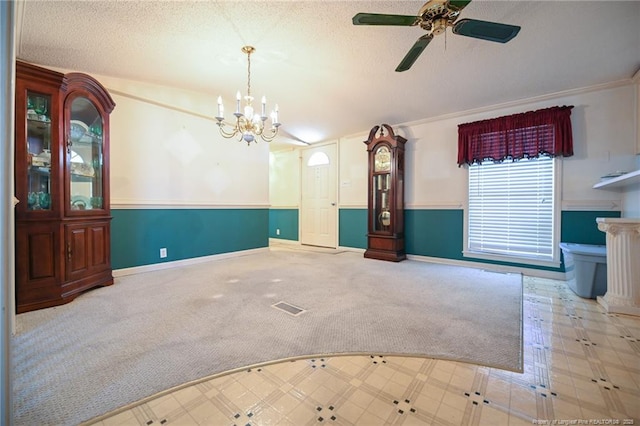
(511, 208)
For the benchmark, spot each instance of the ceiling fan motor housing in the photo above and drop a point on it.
(435, 16)
(439, 26)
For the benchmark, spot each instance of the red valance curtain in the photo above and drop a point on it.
(525, 135)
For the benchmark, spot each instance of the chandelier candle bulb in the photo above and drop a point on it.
(220, 107)
(238, 98)
(264, 106)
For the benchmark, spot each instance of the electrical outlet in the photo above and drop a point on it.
(163, 252)
(278, 231)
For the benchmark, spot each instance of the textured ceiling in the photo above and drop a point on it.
(329, 77)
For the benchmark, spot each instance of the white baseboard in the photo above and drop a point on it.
(176, 263)
(353, 249)
(283, 241)
(478, 265)
(531, 272)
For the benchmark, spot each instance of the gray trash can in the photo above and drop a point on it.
(585, 266)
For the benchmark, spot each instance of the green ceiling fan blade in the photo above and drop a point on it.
(485, 30)
(381, 19)
(414, 52)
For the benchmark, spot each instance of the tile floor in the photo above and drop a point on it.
(581, 367)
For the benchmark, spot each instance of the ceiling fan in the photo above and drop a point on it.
(435, 16)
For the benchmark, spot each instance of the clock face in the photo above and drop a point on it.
(382, 160)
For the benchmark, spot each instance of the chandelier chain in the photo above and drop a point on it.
(249, 74)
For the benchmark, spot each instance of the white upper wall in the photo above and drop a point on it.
(166, 150)
(284, 178)
(604, 131)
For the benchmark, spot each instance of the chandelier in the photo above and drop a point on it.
(248, 123)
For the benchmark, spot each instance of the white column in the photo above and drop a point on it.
(623, 265)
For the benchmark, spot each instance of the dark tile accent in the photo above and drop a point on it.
(485, 401)
(379, 356)
(606, 385)
(314, 365)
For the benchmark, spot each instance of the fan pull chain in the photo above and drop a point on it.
(445, 39)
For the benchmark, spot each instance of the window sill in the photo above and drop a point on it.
(511, 259)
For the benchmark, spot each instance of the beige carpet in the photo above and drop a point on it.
(152, 331)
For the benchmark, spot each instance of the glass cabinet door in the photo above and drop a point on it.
(85, 156)
(38, 151)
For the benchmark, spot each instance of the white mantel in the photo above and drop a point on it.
(623, 265)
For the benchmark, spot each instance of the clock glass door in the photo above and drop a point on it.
(381, 189)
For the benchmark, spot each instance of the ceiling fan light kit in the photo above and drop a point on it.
(434, 17)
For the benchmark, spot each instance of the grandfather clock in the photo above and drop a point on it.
(385, 239)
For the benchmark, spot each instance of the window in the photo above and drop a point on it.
(318, 159)
(512, 210)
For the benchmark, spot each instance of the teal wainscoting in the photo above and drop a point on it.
(353, 228)
(434, 233)
(440, 233)
(286, 220)
(138, 234)
(581, 227)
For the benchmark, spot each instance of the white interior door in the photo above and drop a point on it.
(318, 208)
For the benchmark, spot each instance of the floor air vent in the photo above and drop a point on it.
(290, 309)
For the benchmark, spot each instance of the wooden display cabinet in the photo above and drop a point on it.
(62, 182)
(385, 238)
